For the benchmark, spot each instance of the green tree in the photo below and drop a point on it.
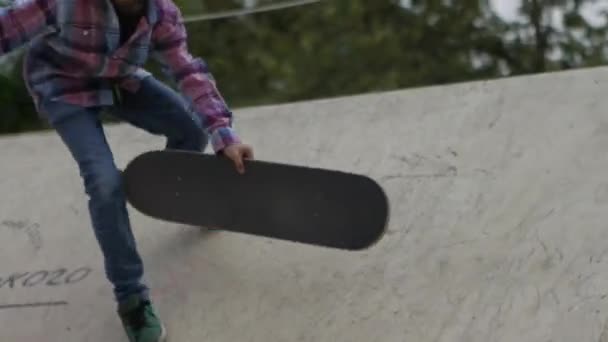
(554, 35)
(341, 47)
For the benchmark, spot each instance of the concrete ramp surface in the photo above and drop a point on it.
(499, 227)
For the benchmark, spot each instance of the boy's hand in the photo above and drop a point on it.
(237, 153)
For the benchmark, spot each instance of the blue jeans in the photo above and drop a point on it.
(155, 108)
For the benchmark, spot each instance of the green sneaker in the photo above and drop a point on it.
(140, 321)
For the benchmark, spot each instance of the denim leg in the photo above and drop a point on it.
(83, 134)
(160, 110)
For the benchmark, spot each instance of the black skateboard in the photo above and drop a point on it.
(307, 205)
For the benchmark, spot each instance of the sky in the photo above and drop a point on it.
(508, 9)
(503, 7)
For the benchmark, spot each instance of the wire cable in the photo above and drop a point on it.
(241, 12)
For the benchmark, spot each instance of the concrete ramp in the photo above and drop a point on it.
(499, 228)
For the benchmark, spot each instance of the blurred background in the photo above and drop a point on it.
(267, 52)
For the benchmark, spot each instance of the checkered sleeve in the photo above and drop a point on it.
(193, 79)
(21, 22)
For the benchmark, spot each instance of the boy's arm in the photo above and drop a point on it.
(193, 79)
(21, 22)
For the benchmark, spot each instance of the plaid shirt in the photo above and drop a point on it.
(75, 56)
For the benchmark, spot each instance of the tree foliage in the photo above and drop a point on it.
(341, 47)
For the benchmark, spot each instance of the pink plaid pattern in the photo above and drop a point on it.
(75, 56)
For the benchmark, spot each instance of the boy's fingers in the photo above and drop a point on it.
(238, 161)
(239, 165)
(238, 155)
(248, 154)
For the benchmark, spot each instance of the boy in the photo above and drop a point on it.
(86, 56)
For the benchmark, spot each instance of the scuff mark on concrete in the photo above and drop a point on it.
(31, 229)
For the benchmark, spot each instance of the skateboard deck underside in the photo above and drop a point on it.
(301, 204)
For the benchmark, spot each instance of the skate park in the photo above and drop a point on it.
(498, 192)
